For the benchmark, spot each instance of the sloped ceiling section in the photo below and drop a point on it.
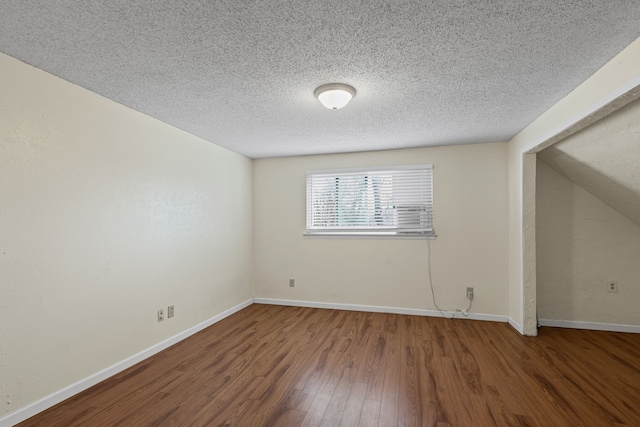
(241, 73)
(604, 159)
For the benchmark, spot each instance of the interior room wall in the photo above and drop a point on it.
(106, 216)
(622, 69)
(582, 245)
(603, 160)
(470, 217)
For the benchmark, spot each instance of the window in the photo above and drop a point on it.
(395, 201)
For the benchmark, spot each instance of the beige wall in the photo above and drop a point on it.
(616, 73)
(106, 215)
(582, 244)
(470, 217)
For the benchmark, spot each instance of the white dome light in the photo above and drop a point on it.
(335, 95)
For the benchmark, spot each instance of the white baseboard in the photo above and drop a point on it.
(594, 326)
(57, 397)
(515, 325)
(380, 309)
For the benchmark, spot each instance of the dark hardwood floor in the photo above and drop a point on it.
(290, 366)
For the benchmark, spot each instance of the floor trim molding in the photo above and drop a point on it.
(515, 325)
(594, 326)
(65, 393)
(382, 309)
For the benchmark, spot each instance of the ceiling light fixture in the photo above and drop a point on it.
(334, 95)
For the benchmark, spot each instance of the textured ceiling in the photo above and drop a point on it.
(603, 160)
(241, 74)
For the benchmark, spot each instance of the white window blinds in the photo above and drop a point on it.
(392, 201)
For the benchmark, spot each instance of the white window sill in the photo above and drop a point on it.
(382, 236)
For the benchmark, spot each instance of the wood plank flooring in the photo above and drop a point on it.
(290, 366)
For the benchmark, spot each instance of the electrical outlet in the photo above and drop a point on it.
(612, 287)
(170, 312)
(160, 315)
(470, 293)
(292, 283)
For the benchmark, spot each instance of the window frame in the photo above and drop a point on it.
(383, 232)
